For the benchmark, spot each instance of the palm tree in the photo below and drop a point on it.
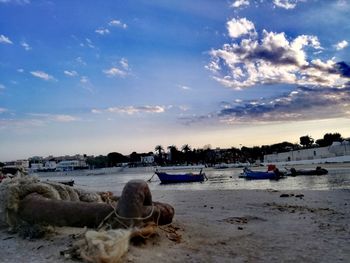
(186, 148)
(159, 149)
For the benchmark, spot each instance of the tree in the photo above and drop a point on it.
(306, 141)
(135, 157)
(186, 149)
(174, 154)
(329, 138)
(115, 158)
(159, 149)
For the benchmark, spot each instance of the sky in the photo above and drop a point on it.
(93, 77)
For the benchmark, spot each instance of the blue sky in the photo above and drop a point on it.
(99, 76)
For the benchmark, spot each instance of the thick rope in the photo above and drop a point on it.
(103, 222)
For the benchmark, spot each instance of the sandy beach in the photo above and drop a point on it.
(224, 226)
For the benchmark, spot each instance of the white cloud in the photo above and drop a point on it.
(19, 2)
(239, 3)
(183, 87)
(89, 43)
(287, 4)
(26, 46)
(115, 72)
(84, 79)
(21, 124)
(117, 23)
(240, 27)
(102, 31)
(96, 111)
(130, 110)
(5, 40)
(81, 61)
(2, 110)
(42, 75)
(72, 73)
(341, 45)
(63, 118)
(20, 70)
(273, 59)
(184, 108)
(2, 87)
(124, 63)
(86, 84)
(55, 117)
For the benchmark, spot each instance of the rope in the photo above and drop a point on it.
(103, 222)
(149, 180)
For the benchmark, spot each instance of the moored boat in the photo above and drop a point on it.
(68, 182)
(317, 171)
(273, 173)
(167, 178)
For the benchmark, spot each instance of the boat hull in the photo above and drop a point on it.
(317, 171)
(259, 175)
(166, 178)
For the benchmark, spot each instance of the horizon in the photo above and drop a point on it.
(165, 148)
(116, 77)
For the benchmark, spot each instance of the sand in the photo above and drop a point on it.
(224, 226)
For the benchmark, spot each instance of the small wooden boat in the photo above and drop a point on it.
(167, 178)
(70, 182)
(257, 175)
(317, 171)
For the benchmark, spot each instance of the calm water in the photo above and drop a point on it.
(337, 178)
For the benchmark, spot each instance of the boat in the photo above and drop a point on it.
(68, 182)
(274, 174)
(167, 178)
(317, 171)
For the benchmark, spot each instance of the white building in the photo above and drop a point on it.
(70, 165)
(50, 165)
(18, 164)
(337, 152)
(147, 159)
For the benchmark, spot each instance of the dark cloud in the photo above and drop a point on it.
(302, 104)
(343, 68)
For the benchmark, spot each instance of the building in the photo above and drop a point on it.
(17, 164)
(149, 159)
(337, 152)
(70, 165)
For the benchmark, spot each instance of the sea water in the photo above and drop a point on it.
(338, 177)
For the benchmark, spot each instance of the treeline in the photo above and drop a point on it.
(185, 155)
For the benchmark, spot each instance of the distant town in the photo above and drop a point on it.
(331, 148)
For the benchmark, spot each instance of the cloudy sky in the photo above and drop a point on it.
(99, 76)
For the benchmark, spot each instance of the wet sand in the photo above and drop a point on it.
(225, 226)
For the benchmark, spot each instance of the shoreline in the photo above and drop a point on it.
(225, 226)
